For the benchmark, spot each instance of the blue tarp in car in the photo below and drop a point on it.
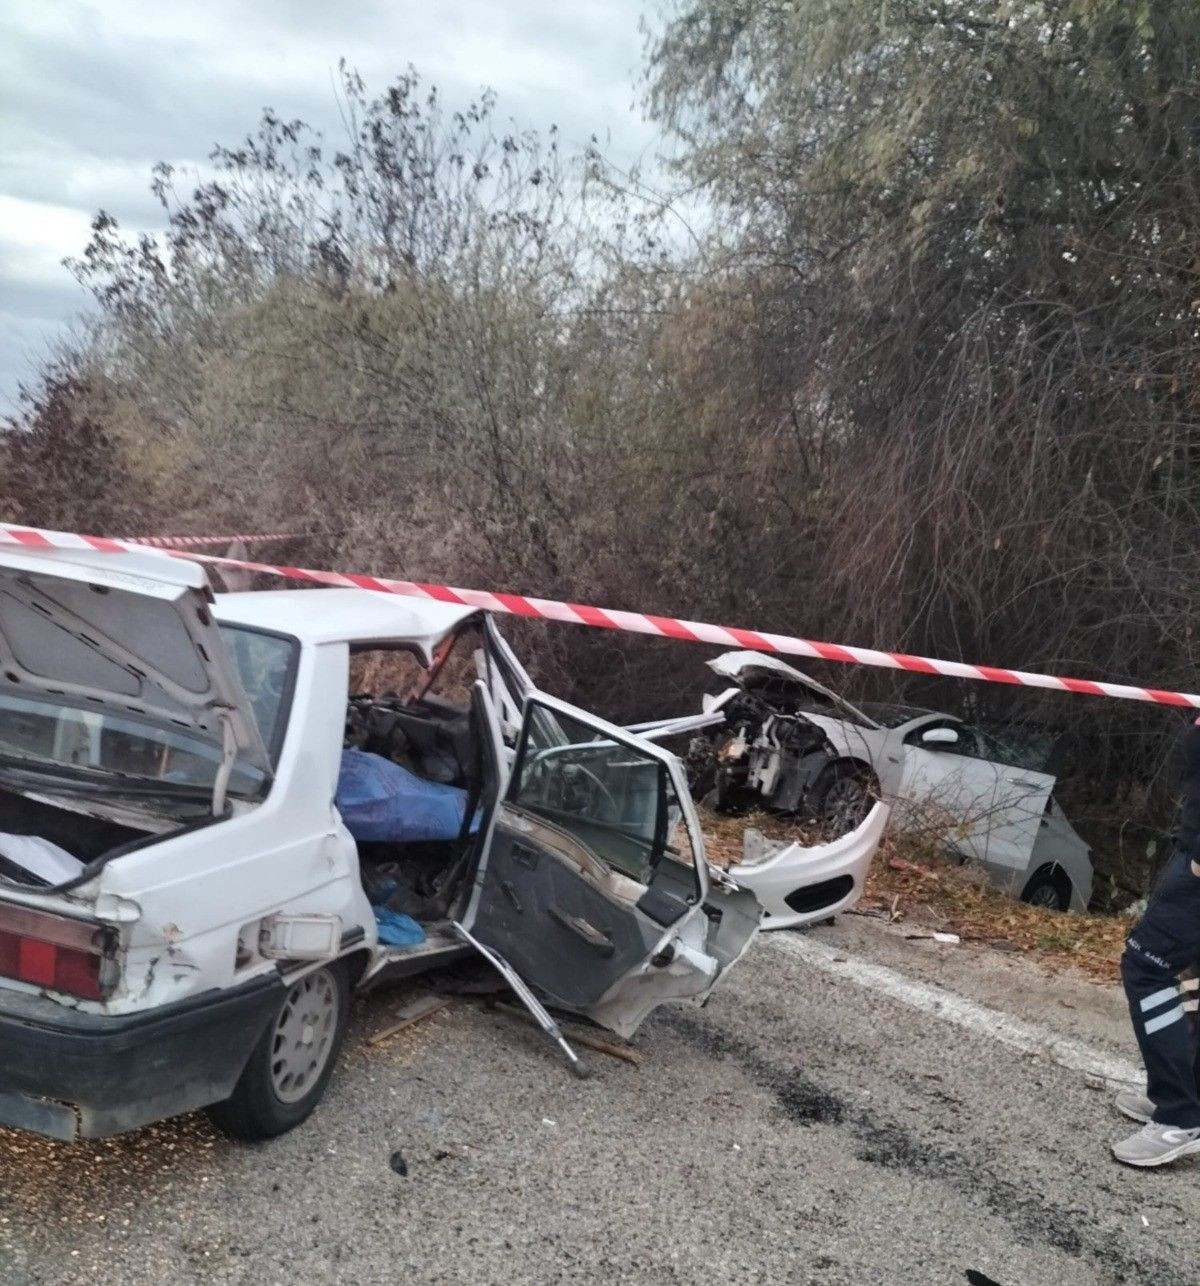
(380, 801)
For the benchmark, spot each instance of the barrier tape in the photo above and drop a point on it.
(190, 542)
(628, 622)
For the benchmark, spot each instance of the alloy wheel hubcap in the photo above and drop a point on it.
(845, 801)
(303, 1036)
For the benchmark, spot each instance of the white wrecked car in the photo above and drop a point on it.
(992, 802)
(183, 909)
(763, 752)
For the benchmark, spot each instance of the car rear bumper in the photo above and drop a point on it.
(73, 1075)
(798, 884)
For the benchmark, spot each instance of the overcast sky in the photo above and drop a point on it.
(94, 93)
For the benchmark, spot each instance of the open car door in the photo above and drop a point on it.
(593, 884)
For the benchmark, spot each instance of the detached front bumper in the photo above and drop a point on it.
(72, 1075)
(797, 884)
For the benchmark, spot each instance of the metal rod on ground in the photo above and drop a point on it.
(424, 1008)
(536, 1009)
(625, 1054)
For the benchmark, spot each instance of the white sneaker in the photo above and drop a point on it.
(1157, 1145)
(1135, 1106)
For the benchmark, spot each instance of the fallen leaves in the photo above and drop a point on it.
(947, 893)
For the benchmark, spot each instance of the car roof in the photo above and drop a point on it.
(344, 615)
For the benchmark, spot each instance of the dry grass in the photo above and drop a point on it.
(723, 833)
(911, 883)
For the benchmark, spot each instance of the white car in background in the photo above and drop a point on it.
(990, 802)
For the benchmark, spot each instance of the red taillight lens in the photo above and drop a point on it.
(53, 951)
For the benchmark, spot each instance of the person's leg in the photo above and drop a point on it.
(1164, 943)
(1189, 987)
(1163, 1031)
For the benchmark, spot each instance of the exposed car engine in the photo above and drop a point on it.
(760, 755)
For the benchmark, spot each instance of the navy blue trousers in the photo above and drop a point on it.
(1164, 943)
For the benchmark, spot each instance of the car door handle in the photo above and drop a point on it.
(1024, 781)
(597, 939)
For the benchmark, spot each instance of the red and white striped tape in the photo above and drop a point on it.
(629, 622)
(198, 542)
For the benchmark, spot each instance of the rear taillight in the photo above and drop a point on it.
(55, 951)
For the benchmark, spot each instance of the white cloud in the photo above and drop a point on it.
(96, 91)
(32, 237)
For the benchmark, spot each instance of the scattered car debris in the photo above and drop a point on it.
(399, 1164)
(800, 883)
(903, 864)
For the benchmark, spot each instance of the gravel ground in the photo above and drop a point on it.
(797, 1129)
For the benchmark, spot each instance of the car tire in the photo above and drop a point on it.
(842, 796)
(1048, 887)
(289, 1068)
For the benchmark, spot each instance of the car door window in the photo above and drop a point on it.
(612, 797)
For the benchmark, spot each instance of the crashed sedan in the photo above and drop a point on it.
(758, 749)
(798, 747)
(208, 841)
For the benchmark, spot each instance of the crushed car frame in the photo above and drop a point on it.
(184, 909)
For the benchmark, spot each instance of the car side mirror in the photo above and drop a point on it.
(939, 737)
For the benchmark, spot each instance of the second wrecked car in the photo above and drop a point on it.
(795, 745)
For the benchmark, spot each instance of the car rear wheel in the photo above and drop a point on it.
(291, 1065)
(843, 796)
(1048, 888)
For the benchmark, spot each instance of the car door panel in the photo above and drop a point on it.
(1016, 818)
(950, 785)
(592, 881)
(564, 925)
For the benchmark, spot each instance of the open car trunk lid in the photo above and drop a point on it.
(123, 635)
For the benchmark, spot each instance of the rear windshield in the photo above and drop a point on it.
(58, 734)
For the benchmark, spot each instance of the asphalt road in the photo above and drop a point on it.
(806, 1126)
